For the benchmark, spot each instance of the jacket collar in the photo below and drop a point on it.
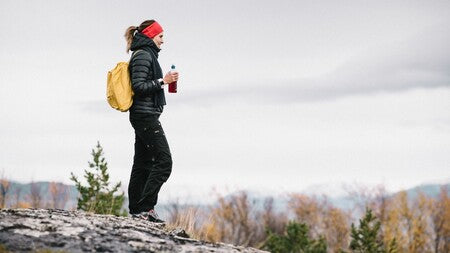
(141, 41)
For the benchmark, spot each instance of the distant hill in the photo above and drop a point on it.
(431, 190)
(280, 201)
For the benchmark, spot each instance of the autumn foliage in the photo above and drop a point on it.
(379, 222)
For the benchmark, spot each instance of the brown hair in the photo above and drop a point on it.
(129, 33)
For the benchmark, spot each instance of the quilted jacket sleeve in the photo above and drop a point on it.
(142, 75)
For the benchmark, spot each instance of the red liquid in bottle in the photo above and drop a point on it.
(173, 87)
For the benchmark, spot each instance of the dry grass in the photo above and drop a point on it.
(186, 219)
(196, 223)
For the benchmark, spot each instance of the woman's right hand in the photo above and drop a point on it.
(170, 77)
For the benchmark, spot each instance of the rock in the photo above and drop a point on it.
(179, 232)
(28, 230)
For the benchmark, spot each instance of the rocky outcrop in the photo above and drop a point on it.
(25, 230)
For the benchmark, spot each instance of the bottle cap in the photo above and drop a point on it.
(173, 66)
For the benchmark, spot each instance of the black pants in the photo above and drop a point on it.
(152, 164)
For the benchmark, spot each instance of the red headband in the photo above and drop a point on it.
(152, 30)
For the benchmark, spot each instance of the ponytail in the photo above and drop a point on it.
(129, 33)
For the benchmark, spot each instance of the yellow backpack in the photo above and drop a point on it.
(118, 87)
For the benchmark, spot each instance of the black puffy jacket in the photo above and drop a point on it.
(145, 71)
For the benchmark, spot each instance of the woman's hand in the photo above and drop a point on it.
(170, 77)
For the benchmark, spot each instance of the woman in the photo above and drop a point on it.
(152, 163)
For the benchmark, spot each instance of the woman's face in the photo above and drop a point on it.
(158, 39)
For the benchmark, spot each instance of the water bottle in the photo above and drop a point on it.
(173, 85)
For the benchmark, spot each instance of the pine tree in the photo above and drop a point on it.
(366, 238)
(97, 197)
(295, 239)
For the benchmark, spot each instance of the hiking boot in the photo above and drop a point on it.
(141, 215)
(153, 217)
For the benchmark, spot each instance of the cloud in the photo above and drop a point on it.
(421, 61)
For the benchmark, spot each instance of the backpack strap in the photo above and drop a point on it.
(134, 53)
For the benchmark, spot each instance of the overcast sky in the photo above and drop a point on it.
(273, 95)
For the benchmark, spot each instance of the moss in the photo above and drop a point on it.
(49, 251)
(3, 249)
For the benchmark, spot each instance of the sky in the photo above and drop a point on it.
(273, 96)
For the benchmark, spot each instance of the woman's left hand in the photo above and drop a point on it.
(170, 77)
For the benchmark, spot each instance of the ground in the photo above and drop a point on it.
(49, 230)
